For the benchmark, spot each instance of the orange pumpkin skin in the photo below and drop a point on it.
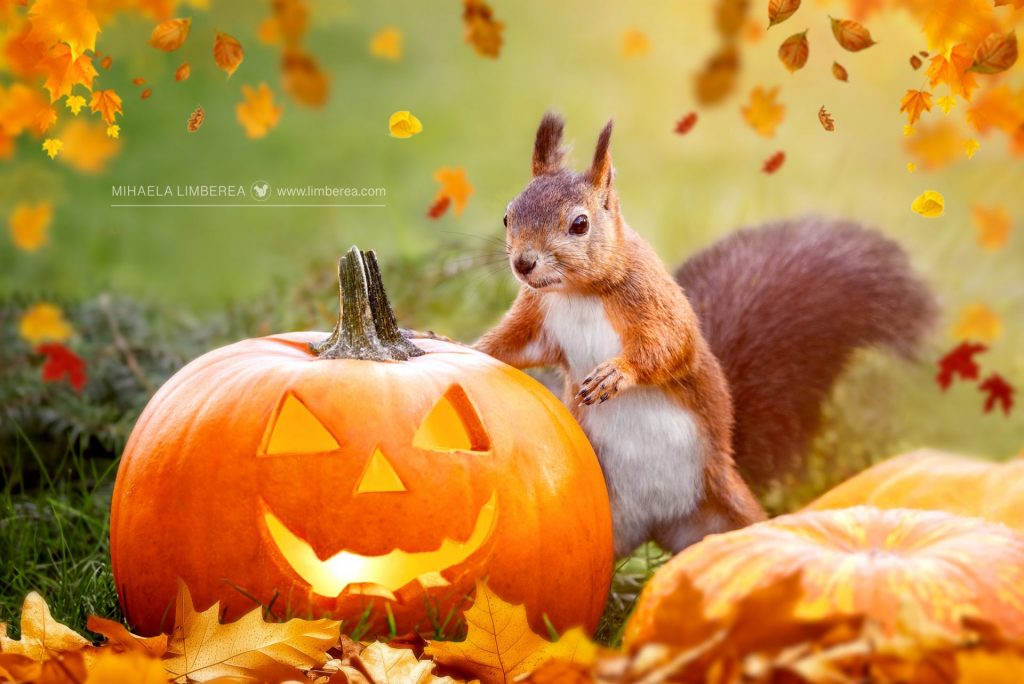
(195, 484)
(857, 561)
(936, 480)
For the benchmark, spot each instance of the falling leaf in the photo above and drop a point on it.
(998, 391)
(304, 80)
(730, 16)
(67, 21)
(686, 124)
(146, 94)
(946, 103)
(970, 147)
(954, 71)
(227, 52)
(110, 667)
(911, 167)
(114, 131)
(483, 31)
(107, 62)
(182, 72)
(387, 44)
(914, 102)
(500, 646)
(948, 22)
(851, 35)
(993, 225)
(257, 112)
(794, 51)
(195, 120)
(635, 43)
(935, 145)
(202, 649)
(839, 71)
(763, 113)
(41, 635)
(52, 147)
(977, 322)
(915, 62)
(455, 185)
(74, 103)
(959, 362)
(1000, 107)
(998, 52)
(439, 206)
(62, 364)
(781, 10)
(107, 103)
(171, 34)
(64, 71)
(138, 81)
(826, 120)
(87, 147)
(30, 224)
(774, 162)
(120, 639)
(930, 204)
(718, 78)
(403, 124)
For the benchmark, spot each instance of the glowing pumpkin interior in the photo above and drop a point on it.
(452, 424)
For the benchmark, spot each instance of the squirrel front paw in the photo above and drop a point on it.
(603, 383)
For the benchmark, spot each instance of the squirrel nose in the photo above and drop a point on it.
(524, 265)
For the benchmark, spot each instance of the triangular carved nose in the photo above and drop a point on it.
(379, 476)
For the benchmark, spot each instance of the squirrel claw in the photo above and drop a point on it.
(601, 385)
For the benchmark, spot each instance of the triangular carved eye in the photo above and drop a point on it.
(295, 430)
(452, 425)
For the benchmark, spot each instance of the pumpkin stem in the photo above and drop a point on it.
(366, 327)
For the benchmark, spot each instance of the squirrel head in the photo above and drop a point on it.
(563, 230)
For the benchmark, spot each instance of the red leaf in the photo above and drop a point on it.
(686, 124)
(960, 361)
(998, 390)
(62, 364)
(438, 208)
(772, 164)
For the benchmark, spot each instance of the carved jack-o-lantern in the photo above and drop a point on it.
(364, 476)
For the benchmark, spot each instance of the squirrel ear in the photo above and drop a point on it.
(547, 148)
(600, 173)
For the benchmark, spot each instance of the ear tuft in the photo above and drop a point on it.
(548, 152)
(600, 173)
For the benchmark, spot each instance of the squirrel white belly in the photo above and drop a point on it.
(671, 386)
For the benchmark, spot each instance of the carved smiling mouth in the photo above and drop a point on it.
(391, 570)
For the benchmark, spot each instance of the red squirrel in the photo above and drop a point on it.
(681, 383)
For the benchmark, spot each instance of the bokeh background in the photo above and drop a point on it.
(161, 285)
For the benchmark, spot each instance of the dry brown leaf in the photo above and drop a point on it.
(195, 120)
(839, 71)
(227, 52)
(998, 52)
(171, 34)
(781, 10)
(202, 649)
(851, 35)
(383, 664)
(41, 635)
(718, 77)
(915, 62)
(774, 162)
(794, 51)
(182, 72)
(483, 31)
(826, 120)
(500, 646)
(730, 16)
(303, 78)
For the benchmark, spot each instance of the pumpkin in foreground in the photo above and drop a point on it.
(936, 480)
(900, 568)
(363, 476)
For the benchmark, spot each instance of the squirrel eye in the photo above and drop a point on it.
(580, 225)
(505, 220)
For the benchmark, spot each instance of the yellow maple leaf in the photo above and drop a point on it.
(908, 130)
(87, 147)
(930, 204)
(914, 102)
(114, 131)
(970, 147)
(107, 103)
(911, 167)
(946, 103)
(69, 21)
(248, 649)
(455, 186)
(977, 322)
(499, 645)
(763, 113)
(130, 667)
(29, 224)
(993, 225)
(74, 103)
(404, 124)
(257, 112)
(52, 146)
(41, 635)
(635, 43)
(387, 44)
(953, 69)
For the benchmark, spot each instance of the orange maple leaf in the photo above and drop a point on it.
(954, 71)
(763, 113)
(994, 225)
(454, 185)
(69, 21)
(915, 102)
(948, 22)
(257, 113)
(107, 103)
(64, 72)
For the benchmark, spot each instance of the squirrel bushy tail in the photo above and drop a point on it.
(783, 307)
